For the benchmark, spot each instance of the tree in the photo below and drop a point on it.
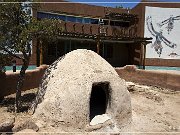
(17, 29)
(4, 60)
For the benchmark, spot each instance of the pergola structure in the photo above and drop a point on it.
(126, 32)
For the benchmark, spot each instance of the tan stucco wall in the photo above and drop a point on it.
(8, 81)
(165, 79)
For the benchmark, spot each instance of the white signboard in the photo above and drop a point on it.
(163, 25)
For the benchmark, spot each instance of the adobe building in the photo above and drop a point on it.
(120, 36)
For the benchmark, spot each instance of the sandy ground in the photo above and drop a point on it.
(155, 110)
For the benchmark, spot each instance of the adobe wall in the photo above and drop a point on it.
(78, 8)
(8, 81)
(163, 79)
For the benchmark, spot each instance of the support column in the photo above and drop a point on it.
(144, 58)
(98, 44)
(41, 52)
(70, 45)
(65, 47)
(103, 50)
(56, 51)
(143, 55)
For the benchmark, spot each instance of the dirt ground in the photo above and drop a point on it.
(155, 110)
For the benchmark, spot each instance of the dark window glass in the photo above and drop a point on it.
(108, 49)
(106, 22)
(116, 23)
(61, 17)
(79, 19)
(71, 18)
(112, 23)
(51, 49)
(42, 15)
(94, 21)
(119, 23)
(87, 20)
(125, 24)
(52, 16)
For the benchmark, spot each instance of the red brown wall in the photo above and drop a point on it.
(140, 10)
(8, 81)
(77, 8)
(163, 79)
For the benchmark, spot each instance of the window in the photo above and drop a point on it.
(51, 49)
(108, 51)
(71, 18)
(79, 19)
(106, 22)
(42, 15)
(87, 20)
(94, 21)
(61, 17)
(119, 23)
(52, 16)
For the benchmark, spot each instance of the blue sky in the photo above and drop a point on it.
(113, 3)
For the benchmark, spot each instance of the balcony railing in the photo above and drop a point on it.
(95, 29)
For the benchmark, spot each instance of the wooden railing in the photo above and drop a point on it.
(95, 29)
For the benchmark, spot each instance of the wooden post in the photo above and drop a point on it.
(56, 50)
(141, 55)
(70, 45)
(144, 59)
(103, 50)
(41, 52)
(98, 44)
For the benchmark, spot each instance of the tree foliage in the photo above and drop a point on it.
(4, 61)
(18, 28)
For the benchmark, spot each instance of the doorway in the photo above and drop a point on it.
(99, 99)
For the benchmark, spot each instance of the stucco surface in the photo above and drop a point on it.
(63, 99)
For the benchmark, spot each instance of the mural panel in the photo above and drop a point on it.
(163, 25)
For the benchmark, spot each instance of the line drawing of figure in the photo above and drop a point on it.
(173, 54)
(159, 38)
(169, 22)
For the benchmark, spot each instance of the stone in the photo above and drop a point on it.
(7, 125)
(25, 125)
(73, 87)
(99, 119)
(130, 86)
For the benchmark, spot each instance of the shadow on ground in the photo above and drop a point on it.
(26, 100)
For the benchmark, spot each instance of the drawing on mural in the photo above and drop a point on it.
(163, 25)
(159, 38)
(169, 22)
(173, 54)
